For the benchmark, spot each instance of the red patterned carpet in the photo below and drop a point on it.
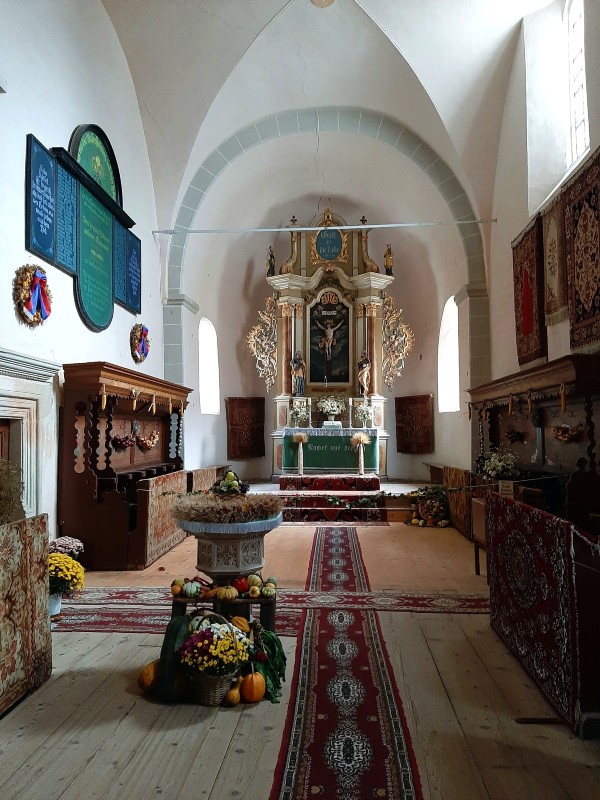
(346, 735)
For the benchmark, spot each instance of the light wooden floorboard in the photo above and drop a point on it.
(90, 734)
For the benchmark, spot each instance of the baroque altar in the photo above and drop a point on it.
(328, 308)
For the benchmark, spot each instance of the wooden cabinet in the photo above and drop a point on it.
(117, 428)
(548, 415)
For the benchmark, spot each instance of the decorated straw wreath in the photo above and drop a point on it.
(139, 342)
(31, 294)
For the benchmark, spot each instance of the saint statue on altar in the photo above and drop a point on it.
(388, 260)
(364, 374)
(298, 374)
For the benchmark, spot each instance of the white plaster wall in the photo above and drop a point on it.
(63, 66)
(78, 76)
(225, 274)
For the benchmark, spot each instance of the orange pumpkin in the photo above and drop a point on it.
(253, 687)
(148, 677)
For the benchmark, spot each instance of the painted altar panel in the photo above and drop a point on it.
(329, 340)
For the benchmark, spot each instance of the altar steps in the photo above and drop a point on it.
(327, 498)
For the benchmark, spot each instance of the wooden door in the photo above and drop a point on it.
(4, 434)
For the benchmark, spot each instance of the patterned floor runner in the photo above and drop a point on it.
(346, 736)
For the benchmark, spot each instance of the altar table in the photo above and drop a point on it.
(329, 450)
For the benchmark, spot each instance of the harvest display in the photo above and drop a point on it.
(249, 659)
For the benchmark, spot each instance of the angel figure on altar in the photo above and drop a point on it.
(328, 340)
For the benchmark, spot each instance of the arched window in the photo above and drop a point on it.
(578, 127)
(210, 393)
(448, 363)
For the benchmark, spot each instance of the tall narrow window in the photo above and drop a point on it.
(579, 130)
(210, 393)
(448, 362)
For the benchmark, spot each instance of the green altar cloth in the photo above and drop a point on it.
(329, 450)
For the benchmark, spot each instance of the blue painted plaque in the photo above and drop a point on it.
(40, 200)
(95, 279)
(134, 273)
(329, 244)
(66, 220)
(120, 263)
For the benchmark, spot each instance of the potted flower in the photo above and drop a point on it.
(212, 655)
(331, 405)
(68, 546)
(65, 578)
(363, 413)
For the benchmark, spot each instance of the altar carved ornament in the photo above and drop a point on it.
(398, 341)
(262, 341)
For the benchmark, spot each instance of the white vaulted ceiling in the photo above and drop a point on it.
(205, 69)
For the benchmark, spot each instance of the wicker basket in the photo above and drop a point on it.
(211, 689)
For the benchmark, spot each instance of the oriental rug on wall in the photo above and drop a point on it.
(556, 295)
(346, 735)
(528, 266)
(532, 595)
(25, 640)
(582, 235)
(245, 427)
(414, 424)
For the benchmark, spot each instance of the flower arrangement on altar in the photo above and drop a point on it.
(363, 412)
(330, 404)
(299, 413)
(213, 648)
(66, 576)
(68, 546)
(499, 465)
(147, 442)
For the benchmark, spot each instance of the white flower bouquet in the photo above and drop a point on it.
(330, 404)
(500, 466)
(363, 412)
(299, 412)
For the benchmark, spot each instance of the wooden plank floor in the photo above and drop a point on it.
(90, 733)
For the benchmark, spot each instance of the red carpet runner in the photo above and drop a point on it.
(346, 736)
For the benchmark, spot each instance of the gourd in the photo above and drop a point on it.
(227, 593)
(169, 680)
(272, 580)
(253, 687)
(267, 591)
(254, 591)
(241, 623)
(269, 585)
(232, 698)
(148, 677)
(191, 588)
(254, 580)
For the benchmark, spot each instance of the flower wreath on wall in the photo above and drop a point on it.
(146, 443)
(140, 343)
(31, 294)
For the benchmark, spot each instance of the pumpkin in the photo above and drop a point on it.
(269, 585)
(241, 623)
(148, 677)
(232, 698)
(254, 580)
(254, 592)
(272, 580)
(176, 589)
(191, 588)
(227, 593)
(253, 687)
(267, 591)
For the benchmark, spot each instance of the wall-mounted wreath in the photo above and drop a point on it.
(146, 443)
(31, 294)
(140, 343)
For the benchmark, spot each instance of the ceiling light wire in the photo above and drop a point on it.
(311, 228)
